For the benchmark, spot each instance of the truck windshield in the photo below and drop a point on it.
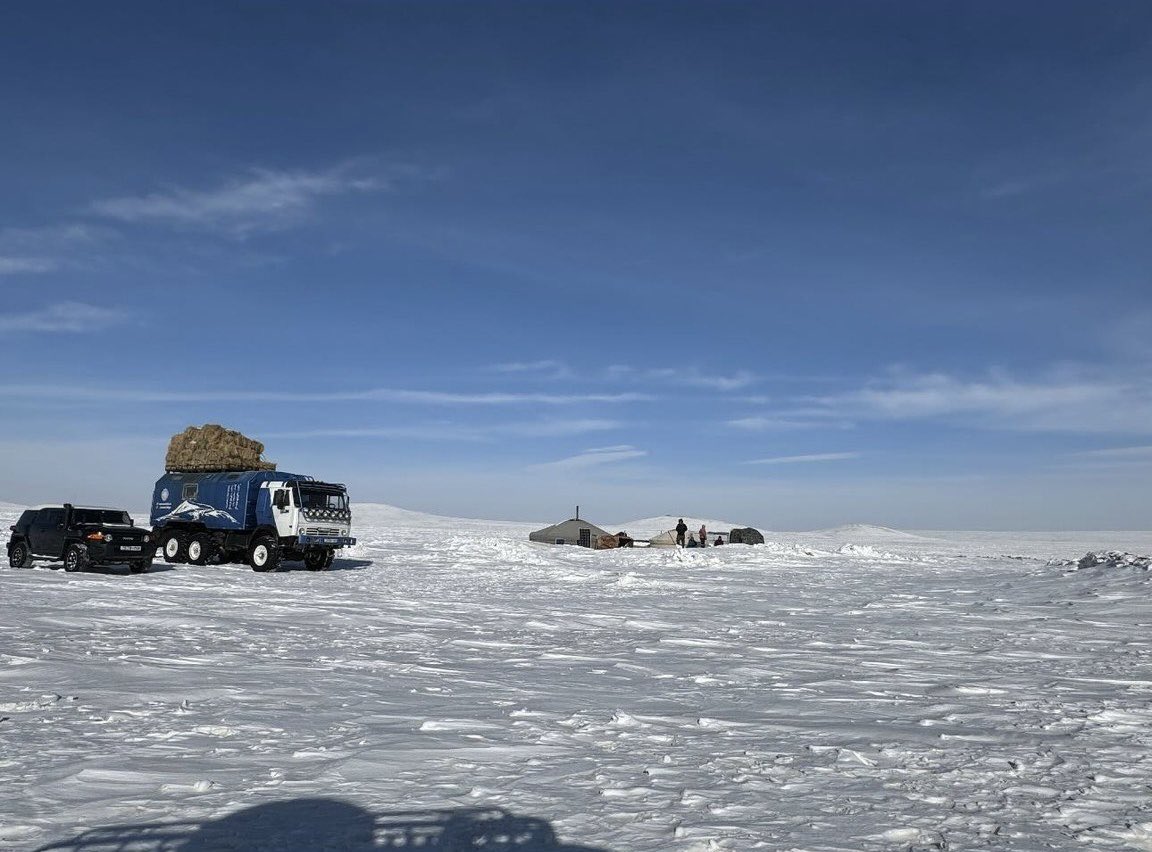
(101, 516)
(322, 500)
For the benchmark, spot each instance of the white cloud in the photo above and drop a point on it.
(596, 457)
(65, 317)
(264, 200)
(19, 265)
(814, 457)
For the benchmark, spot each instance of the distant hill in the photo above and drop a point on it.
(867, 531)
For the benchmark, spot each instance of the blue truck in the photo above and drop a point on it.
(258, 517)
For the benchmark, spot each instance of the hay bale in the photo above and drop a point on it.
(606, 542)
(211, 447)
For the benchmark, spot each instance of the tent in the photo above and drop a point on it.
(668, 538)
(572, 531)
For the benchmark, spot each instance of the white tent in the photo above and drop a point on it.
(668, 538)
(572, 531)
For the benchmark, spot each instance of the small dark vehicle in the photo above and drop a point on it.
(80, 537)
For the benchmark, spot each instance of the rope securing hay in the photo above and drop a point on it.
(211, 447)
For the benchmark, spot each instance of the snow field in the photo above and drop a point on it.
(845, 690)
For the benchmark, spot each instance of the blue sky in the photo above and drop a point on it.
(795, 265)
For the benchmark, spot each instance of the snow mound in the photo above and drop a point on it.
(866, 551)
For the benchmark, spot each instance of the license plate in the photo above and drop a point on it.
(129, 547)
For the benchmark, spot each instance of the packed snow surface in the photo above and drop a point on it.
(451, 686)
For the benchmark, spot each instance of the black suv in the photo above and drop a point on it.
(81, 536)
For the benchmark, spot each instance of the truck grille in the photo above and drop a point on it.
(322, 531)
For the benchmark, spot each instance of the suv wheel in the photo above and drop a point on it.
(19, 557)
(141, 566)
(264, 554)
(175, 548)
(75, 558)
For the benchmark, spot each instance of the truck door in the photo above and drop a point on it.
(283, 508)
(46, 534)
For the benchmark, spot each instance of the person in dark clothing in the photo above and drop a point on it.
(681, 528)
(719, 541)
(692, 541)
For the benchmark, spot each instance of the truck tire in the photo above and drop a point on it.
(175, 548)
(200, 549)
(19, 556)
(264, 554)
(329, 558)
(141, 566)
(75, 558)
(317, 560)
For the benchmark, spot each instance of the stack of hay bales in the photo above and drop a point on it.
(606, 542)
(213, 448)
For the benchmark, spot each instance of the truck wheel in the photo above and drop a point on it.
(317, 560)
(19, 557)
(264, 554)
(141, 566)
(329, 558)
(175, 548)
(75, 558)
(199, 549)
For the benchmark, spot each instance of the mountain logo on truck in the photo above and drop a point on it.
(189, 511)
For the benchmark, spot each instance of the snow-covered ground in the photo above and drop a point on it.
(849, 689)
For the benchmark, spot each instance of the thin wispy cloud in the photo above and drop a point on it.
(1144, 452)
(1069, 403)
(26, 265)
(265, 199)
(549, 368)
(804, 459)
(785, 423)
(64, 318)
(596, 457)
(683, 376)
(460, 431)
(73, 393)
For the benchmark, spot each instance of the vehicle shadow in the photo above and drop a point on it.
(109, 570)
(350, 564)
(330, 824)
(337, 565)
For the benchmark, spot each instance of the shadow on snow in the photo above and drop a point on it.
(330, 824)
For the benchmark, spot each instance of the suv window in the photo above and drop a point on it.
(26, 519)
(50, 518)
(100, 516)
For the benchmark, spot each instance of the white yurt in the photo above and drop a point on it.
(572, 531)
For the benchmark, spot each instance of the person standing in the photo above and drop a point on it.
(703, 536)
(681, 528)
